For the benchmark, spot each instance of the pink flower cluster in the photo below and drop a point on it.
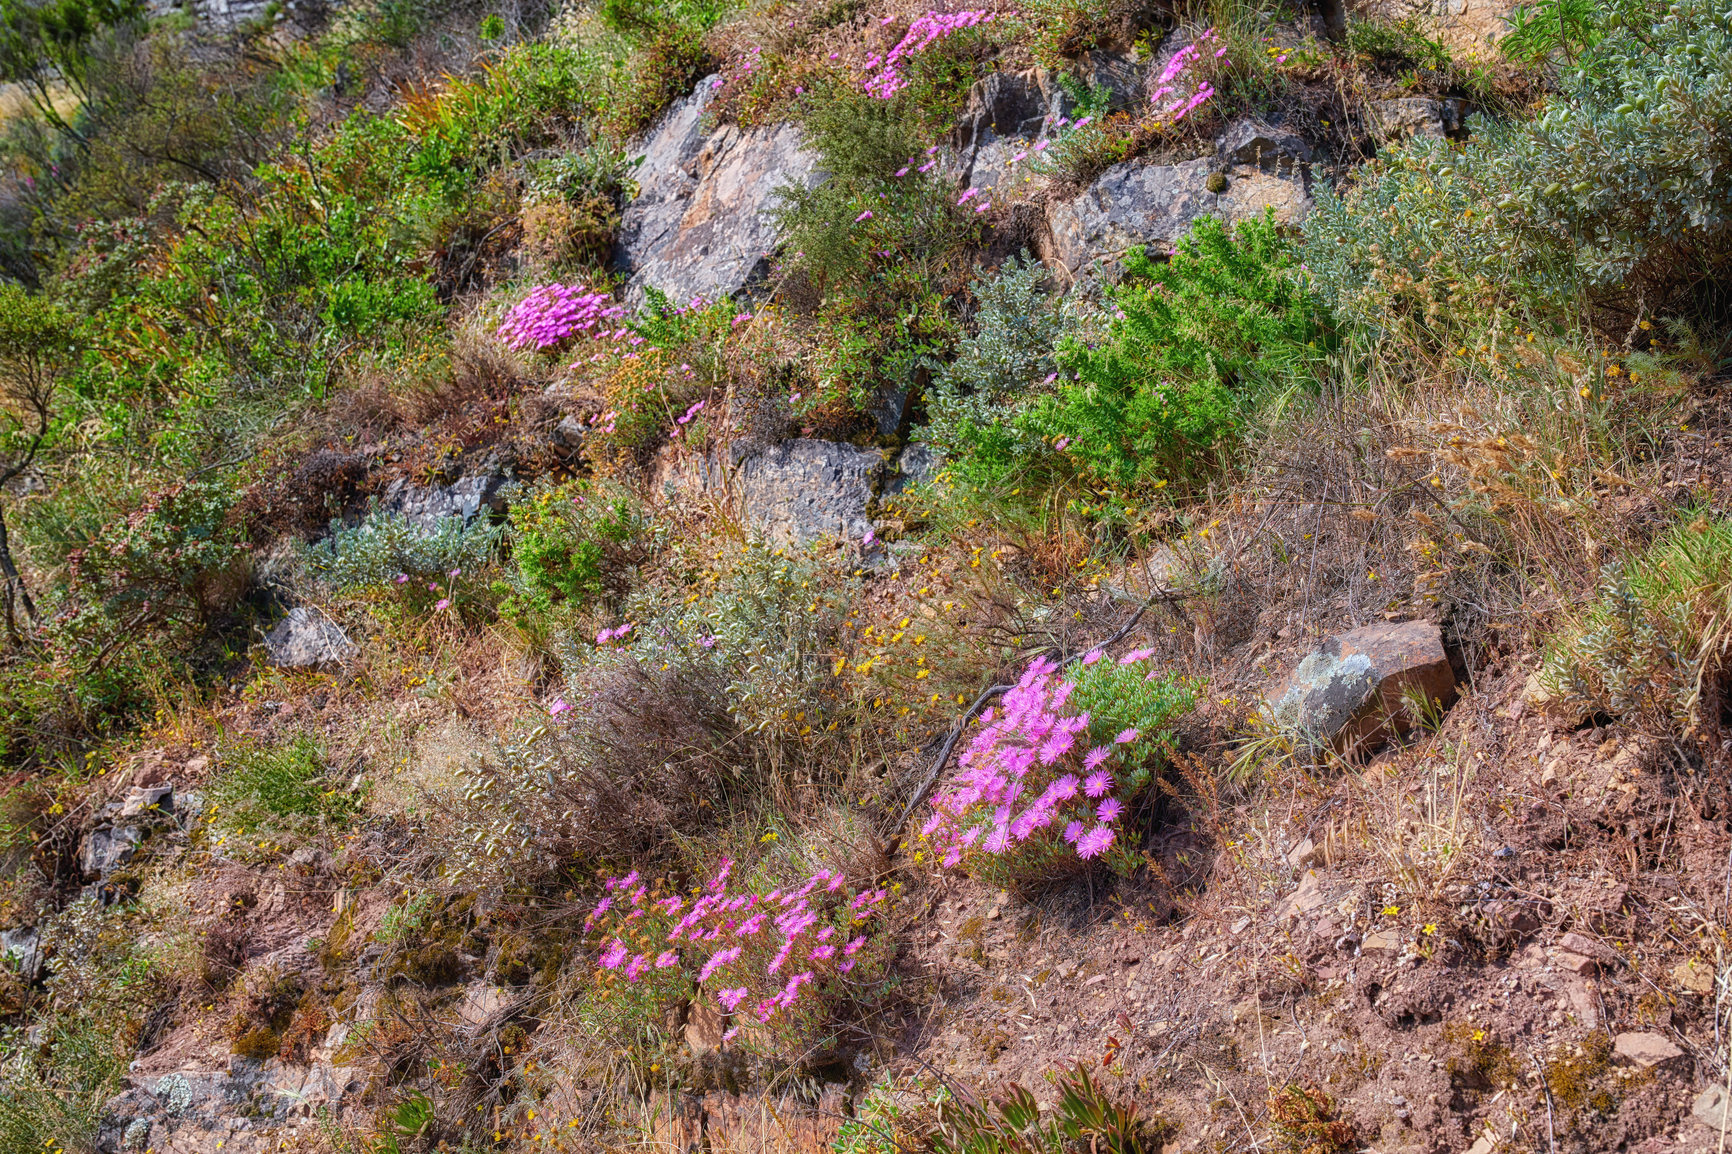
(1167, 83)
(743, 939)
(1019, 776)
(553, 312)
(614, 634)
(884, 78)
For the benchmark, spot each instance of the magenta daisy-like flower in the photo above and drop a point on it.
(613, 955)
(1110, 809)
(1055, 747)
(1098, 784)
(1125, 737)
(635, 968)
(998, 841)
(1095, 842)
(1063, 788)
(667, 958)
(1073, 831)
(1092, 656)
(1096, 756)
(731, 999)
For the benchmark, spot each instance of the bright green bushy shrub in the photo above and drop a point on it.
(1649, 647)
(573, 544)
(378, 554)
(1194, 344)
(1619, 193)
(1010, 355)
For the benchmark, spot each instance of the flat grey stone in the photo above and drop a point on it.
(1154, 205)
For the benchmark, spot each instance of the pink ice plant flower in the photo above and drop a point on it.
(552, 313)
(886, 80)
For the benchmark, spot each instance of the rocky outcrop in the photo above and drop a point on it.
(249, 1109)
(1352, 693)
(1255, 144)
(107, 849)
(1154, 204)
(702, 223)
(804, 490)
(426, 505)
(307, 639)
(1394, 121)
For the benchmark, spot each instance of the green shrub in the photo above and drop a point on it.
(1193, 346)
(573, 544)
(874, 256)
(1649, 647)
(1009, 356)
(1618, 195)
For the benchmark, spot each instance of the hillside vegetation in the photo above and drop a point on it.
(1263, 687)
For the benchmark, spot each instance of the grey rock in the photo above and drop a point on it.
(204, 1109)
(1712, 1107)
(1154, 204)
(427, 505)
(1120, 76)
(1006, 115)
(1254, 144)
(804, 490)
(702, 222)
(307, 639)
(889, 408)
(1395, 121)
(21, 951)
(568, 434)
(143, 799)
(108, 849)
(1350, 693)
(917, 464)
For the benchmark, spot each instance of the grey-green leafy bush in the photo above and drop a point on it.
(1620, 193)
(385, 547)
(1009, 355)
(1648, 648)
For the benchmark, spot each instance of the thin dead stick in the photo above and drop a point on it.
(1551, 1137)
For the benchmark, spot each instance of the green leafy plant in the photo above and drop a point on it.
(1084, 1117)
(1618, 196)
(1193, 346)
(390, 554)
(1006, 359)
(283, 791)
(572, 544)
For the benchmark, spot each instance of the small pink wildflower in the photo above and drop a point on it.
(667, 958)
(1125, 737)
(1097, 755)
(613, 955)
(867, 215)
(1110, 809)
(1095, 842)
(1098, 783)
(1092, 656)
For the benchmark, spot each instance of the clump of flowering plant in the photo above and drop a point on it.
(773, 962)
(552, 313)
(1047, 784)
(1172, 103)
(884, 77)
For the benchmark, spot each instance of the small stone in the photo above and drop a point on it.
(1588, 947)
(1305, 900)
(1575, 963)
(1388, 941)
(1694, 976)
(1304, 855)
(1645, 1050)
(1352, 692)
(1711, 1107)
(147, 798)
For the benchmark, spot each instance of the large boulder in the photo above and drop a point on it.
(702, 222)
(307, 639)
(1353, 692)
(1154, 204)
(805, 490)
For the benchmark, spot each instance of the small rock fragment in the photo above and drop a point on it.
(1645, 1050)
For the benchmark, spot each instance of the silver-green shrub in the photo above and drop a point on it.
(1621, 188)
(387, 547)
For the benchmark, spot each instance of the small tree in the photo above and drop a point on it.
(39, 342)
